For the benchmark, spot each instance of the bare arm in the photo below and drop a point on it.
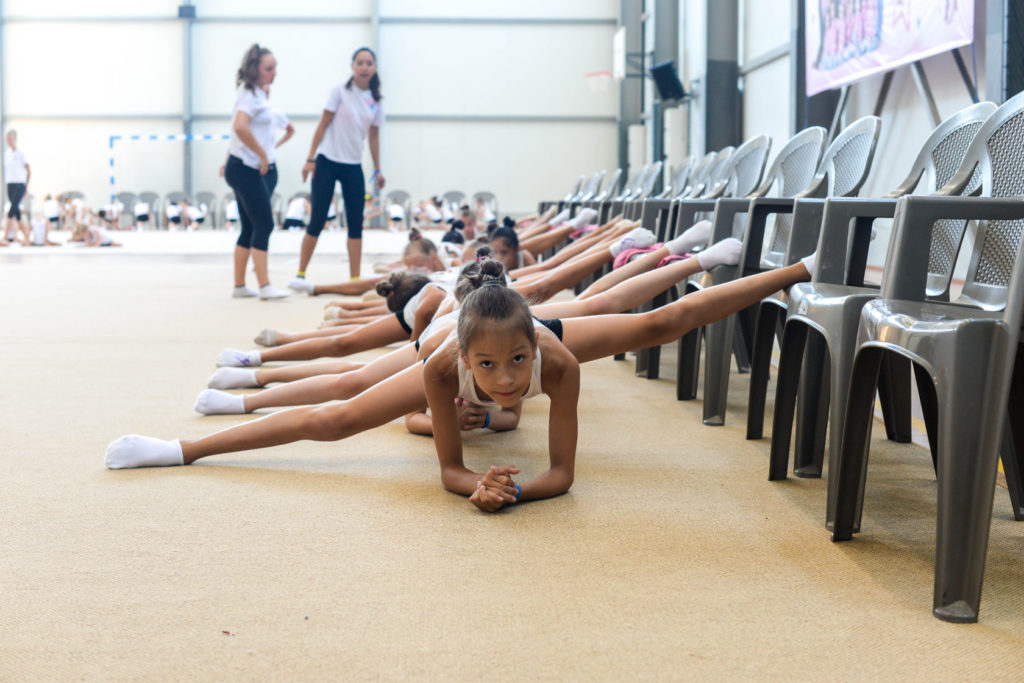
(288, 133)
(425, 313)
(562, 385)
(373, 138)
(318, 135)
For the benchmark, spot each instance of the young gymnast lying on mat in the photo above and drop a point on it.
(498, 356)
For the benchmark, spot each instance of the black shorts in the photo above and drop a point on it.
(142, 218)
(401, 321)
(555, 325)
(176, 220)
(293, 223)
(54, 219)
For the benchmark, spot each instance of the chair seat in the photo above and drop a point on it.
(922, 329)
(780, 299)
(826, 306)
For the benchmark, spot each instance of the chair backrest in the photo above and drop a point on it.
(794, 166)
(400, 197)
(997, 154)
(489, 198)
(591, 187)
(718, 171)
(71, 194)
(940, 157)
(177, 197)
(611, 188)
(456, 197)
(699, 176)
(127, 215)
(575, 189)
(628, 188)
(682, 176)
(842, 171)
(746, 167)
(651, 180)
(149, 198)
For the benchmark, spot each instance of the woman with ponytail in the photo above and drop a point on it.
(352, 115)
(250, 169)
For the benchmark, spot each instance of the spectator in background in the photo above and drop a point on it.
(17, 173)
(296, 213)
(141, 210)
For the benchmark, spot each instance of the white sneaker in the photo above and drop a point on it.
(243, 292)
(301, 284)
(268, 292)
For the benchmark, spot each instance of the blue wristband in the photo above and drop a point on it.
(519, 491)
(487, 421)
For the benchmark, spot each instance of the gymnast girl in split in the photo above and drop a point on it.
(498, 355)
(322, 382)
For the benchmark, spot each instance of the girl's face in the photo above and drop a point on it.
(364, 66)
(504, 252)
(501, 361)
(266, 71)
(419, 260)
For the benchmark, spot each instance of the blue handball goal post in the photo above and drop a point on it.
(168, 137)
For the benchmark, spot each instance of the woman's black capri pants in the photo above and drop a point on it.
(15, 193)
(253, 192)
(353, 190)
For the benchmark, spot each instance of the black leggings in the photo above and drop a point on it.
(253, 193)
(15, 193)
(353, 191)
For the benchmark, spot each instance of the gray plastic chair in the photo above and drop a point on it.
(739, 175)
(967, 349)
(829, 306)
(843, 169)
(403, 199)
(491, 200)
(212, 214)
(454, 197)
(610, 189)
(153, 200)
(127, 215)
(791, 172)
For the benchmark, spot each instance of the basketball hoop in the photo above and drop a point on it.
(598, 81)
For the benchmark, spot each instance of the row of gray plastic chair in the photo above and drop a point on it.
(844, 341)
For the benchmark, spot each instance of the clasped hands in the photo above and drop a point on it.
(495, 489)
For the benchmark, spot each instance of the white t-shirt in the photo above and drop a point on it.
(263, 121)
(172, 211)
(141, 209)
(231, 211)
(196, 213)
(51, 209)
(354, 112)
(15, 166)
(396, 212)
(296, 209)
(432, 212)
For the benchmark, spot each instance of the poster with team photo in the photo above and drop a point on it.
(850, 39)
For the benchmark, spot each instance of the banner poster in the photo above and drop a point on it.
(851, 39)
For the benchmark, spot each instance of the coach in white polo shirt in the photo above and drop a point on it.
(16, 175)
(353, 114)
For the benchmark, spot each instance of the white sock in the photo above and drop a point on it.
(217, 402)
(724, 253)
(233, 378)
(235, 358)
(585, 216)
(809, 262)
(560, 217)
(269, 291)
(266, 337)
(301, 284)
(637, 238)
(143, 451)
(332, 313)
(243, 292)
(695, 236)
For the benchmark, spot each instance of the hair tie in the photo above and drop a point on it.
(415, 236)
(492, 281)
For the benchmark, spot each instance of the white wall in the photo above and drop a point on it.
(440, 76)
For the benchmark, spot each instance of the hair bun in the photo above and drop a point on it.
(385, 288)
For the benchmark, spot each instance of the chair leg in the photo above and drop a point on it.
(648, 361)
(760, 365)
(717, 359)
(929, 409)
(794, 338)
(688, 365)
(894, 394)
(1013, 438)
(842, 504)
(968, 459)
(743, 339)
(812, 409)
